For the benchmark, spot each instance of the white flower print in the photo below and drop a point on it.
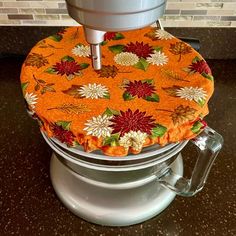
(81, 51)
(31, 99)
(191, 93)
(154, 25)
(93, 91)
(99, 126)
(157, 58)
(162, 34)
(126, 59)
(133, 139)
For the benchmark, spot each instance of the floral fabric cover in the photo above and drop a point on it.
(152, 88)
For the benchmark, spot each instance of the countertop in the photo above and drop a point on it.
(28, 202)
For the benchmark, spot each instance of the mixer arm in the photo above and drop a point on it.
(208, 144)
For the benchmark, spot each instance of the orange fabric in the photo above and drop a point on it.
(148, 71)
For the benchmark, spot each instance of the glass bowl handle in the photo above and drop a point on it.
(208, 143)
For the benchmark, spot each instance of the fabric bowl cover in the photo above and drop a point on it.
(152, 88)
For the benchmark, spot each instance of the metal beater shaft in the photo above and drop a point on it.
(96, 56)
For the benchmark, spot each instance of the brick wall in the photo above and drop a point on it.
(179, 13)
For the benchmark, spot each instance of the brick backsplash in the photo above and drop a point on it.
(179, 13)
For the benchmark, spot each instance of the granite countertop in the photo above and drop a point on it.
(29, 205)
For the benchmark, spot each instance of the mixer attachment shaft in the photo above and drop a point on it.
(96, 56)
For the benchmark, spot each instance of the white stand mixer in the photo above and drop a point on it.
(124, 191)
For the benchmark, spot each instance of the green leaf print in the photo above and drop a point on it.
(158, 131)
(142, 64)
(64, 124)
(153, 98)
(116, 48)
(127, 96)
(111, 112)
(56, 37)
(197, 127)
(68, 58)
(24, 86)
(112, 140)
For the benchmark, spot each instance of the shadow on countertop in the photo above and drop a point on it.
(29, 205)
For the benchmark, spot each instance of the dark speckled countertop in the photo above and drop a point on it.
(29, 205)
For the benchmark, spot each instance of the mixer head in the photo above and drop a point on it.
(100, 16)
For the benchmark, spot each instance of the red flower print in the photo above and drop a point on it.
(62, 31)
(140, 49)
(200, 67)
(140, 89)
(67, 67)
(203, 123)
(135, 121)
(65, 136)
(109, 36)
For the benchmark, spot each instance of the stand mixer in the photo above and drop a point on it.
(100, 16)
(107, 189)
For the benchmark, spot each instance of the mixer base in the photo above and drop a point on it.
(110, 207)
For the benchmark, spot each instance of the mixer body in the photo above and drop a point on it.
(114, 15)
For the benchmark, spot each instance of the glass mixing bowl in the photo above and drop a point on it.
(154, 163)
